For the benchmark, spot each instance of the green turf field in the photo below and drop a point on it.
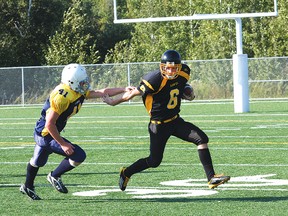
(251, 147)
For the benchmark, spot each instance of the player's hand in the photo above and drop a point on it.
(68, 148)
(129, 88)
(127, 95)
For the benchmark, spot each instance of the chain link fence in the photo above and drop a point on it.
(211, 79)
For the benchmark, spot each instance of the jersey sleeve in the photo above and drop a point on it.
(145, 87)
(150, 83)
(185, 72)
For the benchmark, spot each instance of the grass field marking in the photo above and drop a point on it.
(162, 164)
(171, 193)
(281, 126)
(240, 181)
(115, 187)
(253, 137)
(196, 102)
(188, 147)
(182, 188)
(149, 193)
(145, 136)
(12, 147)
(147, 117)
(235, 183)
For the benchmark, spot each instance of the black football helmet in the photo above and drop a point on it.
(170, 64)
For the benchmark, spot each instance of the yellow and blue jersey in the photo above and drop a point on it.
(64, 101)
(162, 97)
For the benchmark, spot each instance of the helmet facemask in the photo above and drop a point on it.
(170, 70)
(170, 65)
(82, 87)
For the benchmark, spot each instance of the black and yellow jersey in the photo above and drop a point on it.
(64, 101)
(162, 97)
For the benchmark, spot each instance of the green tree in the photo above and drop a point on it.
(150, 40)
(25, 30)
(201, 39)
(107, 33)
(272, 34)
(73, 42)
(11, 32)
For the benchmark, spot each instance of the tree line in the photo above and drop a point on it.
(58, 32)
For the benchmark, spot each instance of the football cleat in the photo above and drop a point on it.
(57, 183)
(29, 192)
(217, 180)
(123, 180)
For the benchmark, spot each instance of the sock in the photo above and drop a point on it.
(63, 167)
(31, 175)
(205, 158)
(136, 167)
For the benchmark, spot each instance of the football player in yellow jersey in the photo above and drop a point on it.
(64, 101)
(162, 91)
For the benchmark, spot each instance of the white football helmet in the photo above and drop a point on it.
(76, 77)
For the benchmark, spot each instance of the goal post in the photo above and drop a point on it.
(240, 60)
(194, 16)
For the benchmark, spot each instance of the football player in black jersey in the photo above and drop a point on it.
(64, 102)
(162, 91)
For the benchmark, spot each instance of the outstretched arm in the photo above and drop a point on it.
(108, 91)
(125, 97)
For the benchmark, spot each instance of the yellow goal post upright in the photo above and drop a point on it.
(240, 60)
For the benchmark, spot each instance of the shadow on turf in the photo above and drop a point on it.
(97, 199)
(160, 200)
(66, 174)
(77, 173)
(247, 199)
(109, 173)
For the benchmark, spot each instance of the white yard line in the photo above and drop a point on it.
(162, 164)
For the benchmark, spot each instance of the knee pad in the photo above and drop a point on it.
(202, 140)
(33, 164)
(74, 163)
